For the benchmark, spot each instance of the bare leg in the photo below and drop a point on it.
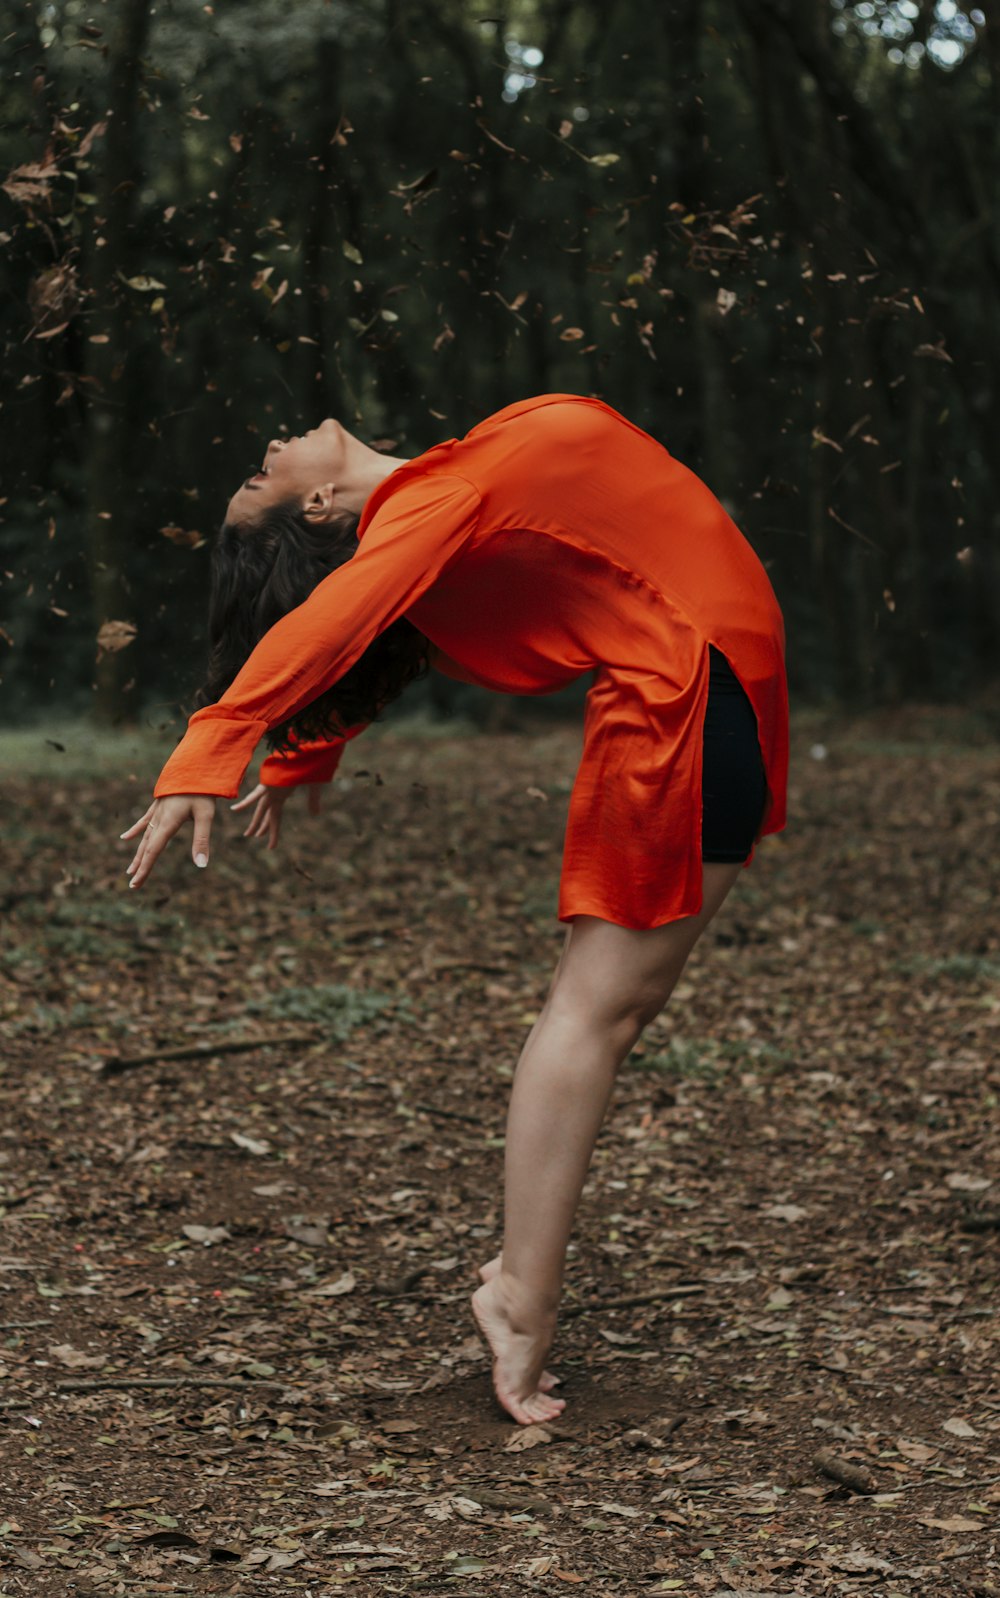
(610, 983)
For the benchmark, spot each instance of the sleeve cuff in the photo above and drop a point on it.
(301, 766)
(211, 758)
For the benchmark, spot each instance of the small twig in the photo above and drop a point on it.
(450, 1115)
(682, 1290)
(21, 1326)
(197, 1051)
(841, 1470)
(234, 1383)
(469, 965)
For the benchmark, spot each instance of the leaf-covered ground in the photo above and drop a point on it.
(236, 1350)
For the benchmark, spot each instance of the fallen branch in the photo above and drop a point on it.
(94, 1384)
(841, 1470)
(198, 1051)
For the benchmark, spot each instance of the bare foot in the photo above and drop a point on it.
(519, 1341)
(486, 1273)
(490, 1269)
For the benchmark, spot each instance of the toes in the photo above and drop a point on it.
(535, 1408)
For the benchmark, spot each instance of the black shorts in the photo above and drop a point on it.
(733, 786)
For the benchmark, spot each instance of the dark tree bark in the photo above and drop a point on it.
(110, 416)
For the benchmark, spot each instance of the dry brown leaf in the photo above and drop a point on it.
(958, 1427)
(526, 1437)
(953, 1523)
(113, 636)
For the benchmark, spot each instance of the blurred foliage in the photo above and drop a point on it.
(766, 230)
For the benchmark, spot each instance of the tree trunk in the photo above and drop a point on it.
(109, 429)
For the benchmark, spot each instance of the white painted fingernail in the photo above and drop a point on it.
(201, 860)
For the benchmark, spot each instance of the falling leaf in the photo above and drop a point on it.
(183, 536)
(144, 285)
(819, 437)
(570, 334)
(602, 160)
(725, 299)
(936, 352)
(113, 636)
(962, 1182)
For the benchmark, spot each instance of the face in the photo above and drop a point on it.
(303, 470)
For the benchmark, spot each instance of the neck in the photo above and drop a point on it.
(366, 470)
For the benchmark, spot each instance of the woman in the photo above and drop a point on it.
(555, 539)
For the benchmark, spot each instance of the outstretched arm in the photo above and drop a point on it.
(309, 764)
(410, 542)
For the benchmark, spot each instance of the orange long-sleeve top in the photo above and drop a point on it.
(554, 539)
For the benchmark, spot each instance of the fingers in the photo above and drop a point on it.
(157, 835)
(203, 818)
(273, 826)
(252, 797)
(255, 826)
(163, 819)
(137, 826)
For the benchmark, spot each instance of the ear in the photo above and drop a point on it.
(321, 505)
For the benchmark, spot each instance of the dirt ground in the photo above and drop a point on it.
(235, 1348)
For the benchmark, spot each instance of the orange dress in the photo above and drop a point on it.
(555, 539)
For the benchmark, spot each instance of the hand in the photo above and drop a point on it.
(163, 818)
(270, 802)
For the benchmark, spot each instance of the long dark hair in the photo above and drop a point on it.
(264, 569)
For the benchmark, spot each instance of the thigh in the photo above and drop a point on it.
(620, 973)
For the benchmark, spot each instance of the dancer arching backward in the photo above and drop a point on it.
(555, 539)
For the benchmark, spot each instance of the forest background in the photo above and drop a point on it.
(766, 230)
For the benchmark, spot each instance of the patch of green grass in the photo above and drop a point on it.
(707, 1059)
(960, 967)
(337, 1008)
(71, 750)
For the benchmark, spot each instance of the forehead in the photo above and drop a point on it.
(246, 504)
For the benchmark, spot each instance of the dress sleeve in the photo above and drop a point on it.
(412, 539)
(309, 760)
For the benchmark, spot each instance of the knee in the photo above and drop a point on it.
(621, 1016)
